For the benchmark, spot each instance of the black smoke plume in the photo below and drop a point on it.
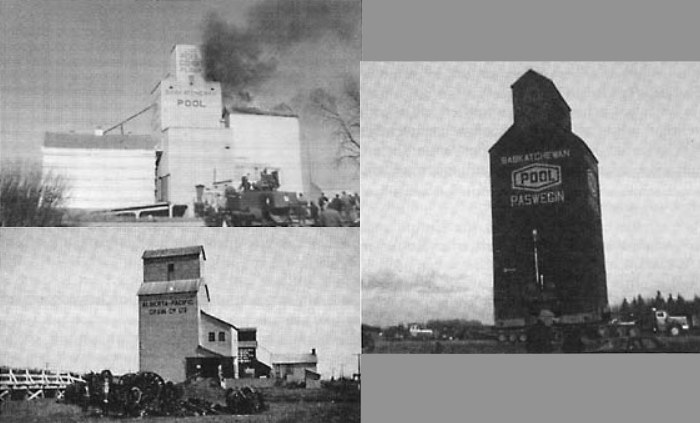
(244, 58)
(234, 58)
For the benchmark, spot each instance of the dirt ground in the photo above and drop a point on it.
(285, 406)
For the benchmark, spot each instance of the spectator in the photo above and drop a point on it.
(314, 213)
(322, 201)
(336, 203)
(300, 209)
(331, 217)
(345, 206)
(353, 209)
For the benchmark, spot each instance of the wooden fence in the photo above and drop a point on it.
(30, 384)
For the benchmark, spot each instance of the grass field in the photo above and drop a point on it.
(689, 344)
(285, 406)
(445, 347)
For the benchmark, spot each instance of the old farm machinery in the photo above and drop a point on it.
(147, 394)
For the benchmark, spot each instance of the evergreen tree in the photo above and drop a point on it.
(671, 304)
(634, 308)
(681, 305)
(641, 307)
(625, 309)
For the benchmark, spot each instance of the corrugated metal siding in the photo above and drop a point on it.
(89, 141)
(169, 287)
(103, 178)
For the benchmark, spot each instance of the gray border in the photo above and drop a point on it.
(551, 388)
(423, 30)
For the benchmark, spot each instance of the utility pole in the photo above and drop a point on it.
(537, 266)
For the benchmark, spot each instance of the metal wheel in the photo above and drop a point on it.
(675, 331)
(151, 385)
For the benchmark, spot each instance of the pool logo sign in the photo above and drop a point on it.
(536, 177)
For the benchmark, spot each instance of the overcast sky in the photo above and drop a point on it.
(68, 296)
(427, 128)
(75, 65)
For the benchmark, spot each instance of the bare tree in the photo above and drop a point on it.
(30, 198)
(344, 115)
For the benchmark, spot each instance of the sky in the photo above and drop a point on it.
(76, 65)
(68, 296)
(427, 128)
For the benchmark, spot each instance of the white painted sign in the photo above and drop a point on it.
(536, 177)
(186, 62)
(183, 105)
(536, 157)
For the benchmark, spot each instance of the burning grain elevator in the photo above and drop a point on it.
(546, 216)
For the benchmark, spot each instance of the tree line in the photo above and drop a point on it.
(639, 307)
(454, 328)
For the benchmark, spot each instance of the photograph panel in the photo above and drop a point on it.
(180, 113)
(178, 321)
(530, 207)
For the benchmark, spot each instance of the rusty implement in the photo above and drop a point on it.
(145, 394)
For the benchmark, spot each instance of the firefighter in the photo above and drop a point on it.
(245, 184)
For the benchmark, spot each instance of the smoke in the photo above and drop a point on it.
(289, 45)
(234, 58)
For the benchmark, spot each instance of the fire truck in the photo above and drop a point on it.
(253, 203)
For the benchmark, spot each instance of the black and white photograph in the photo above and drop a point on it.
(530, 207)
(180, 113)
(127, 129)
(179, 324)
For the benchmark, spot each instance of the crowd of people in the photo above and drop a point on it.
(342, 210)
